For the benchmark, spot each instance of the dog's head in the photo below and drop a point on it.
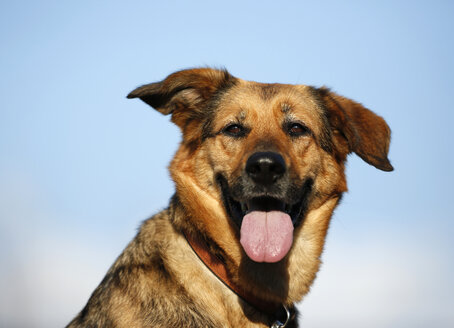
(261, 166)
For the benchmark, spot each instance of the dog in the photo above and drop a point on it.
(258, 173)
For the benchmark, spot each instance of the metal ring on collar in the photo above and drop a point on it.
(279, 324)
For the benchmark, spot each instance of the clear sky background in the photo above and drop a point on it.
(81, 166)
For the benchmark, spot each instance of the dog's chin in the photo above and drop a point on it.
(266, 223)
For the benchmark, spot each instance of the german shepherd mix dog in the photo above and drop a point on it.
(258, 174)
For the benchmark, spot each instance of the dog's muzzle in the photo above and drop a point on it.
(266, 205)
(266, 235)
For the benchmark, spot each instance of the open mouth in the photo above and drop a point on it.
(266, 223)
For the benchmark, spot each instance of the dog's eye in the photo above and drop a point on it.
(297, 129)
(234, 130)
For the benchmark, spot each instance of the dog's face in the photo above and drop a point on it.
(268, 147)
(261, 166)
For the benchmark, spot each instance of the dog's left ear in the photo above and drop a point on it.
(184, 94)
(366, 133)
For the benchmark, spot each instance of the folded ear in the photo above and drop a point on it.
(366, 133)
(185, 93)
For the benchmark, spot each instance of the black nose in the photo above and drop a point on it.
(265, 167)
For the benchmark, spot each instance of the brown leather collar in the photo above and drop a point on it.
(218, 267)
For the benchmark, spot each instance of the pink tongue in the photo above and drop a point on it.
(266, 236)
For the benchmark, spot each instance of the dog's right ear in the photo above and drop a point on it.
(185, 93)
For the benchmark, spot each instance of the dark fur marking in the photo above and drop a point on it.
(285, 108)
(326, 134)
(211, 107)
(269, 90)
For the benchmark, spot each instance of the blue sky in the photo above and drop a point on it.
(81, 166)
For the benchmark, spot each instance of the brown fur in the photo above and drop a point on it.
(158, 280)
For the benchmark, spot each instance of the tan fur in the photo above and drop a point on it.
(159, 280)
